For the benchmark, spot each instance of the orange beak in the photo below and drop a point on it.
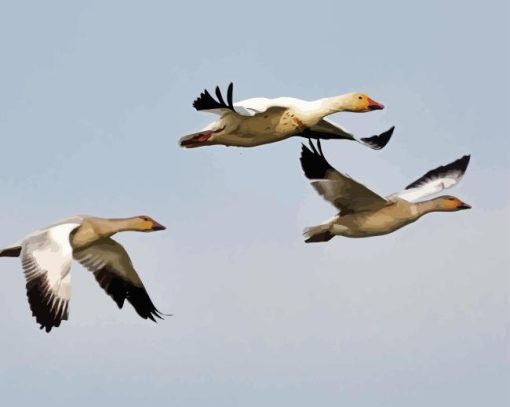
(373, 105)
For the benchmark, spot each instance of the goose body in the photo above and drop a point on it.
(258, 121)
(395, 215)
(364, 213)
(46, 257)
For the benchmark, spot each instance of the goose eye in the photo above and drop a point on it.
(360, 97)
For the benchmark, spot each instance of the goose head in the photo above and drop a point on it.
(448, 203)
(360, 103)
(145, 224)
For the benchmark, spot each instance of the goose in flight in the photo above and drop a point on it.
(258, 121)
(364, 213)
(46, 257)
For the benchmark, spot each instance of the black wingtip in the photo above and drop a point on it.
(160, 314)
(203, 101)
(230, 92)
(460, 166)
(313, 162)
(219, 96)
(206, 102)
(379, 142)
(463, 162)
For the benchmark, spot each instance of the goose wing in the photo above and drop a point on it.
(434, 181)
(326, 129)
(346, 194)
(46, 258)
(114, 272)
(249, 107)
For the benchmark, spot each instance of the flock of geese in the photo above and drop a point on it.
(46, 254)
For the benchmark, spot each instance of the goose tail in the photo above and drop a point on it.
(13, 251)
(319, 233)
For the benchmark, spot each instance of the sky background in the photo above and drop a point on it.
(93, 98)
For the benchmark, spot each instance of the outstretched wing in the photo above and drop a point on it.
(248, 107)
(346, 194)
(436, 180)
(115, 273)
(326, 130)
(206, 102)
(46, 260)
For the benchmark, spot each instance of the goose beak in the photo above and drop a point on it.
(464, 205)
(373, 105)
(158, 226)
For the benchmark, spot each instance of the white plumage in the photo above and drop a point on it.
(46, 259)
(435, 180)
(256, 121)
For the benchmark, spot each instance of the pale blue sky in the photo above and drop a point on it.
(93, 98)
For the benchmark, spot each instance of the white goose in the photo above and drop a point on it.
(364, 213)
(258, 121)
(46, 257)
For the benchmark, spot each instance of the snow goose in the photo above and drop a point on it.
(364, 213)
(258, 121)
(46, 257)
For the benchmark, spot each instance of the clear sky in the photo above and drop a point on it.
(93, 98)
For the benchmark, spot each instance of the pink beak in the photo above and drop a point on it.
(373, 105)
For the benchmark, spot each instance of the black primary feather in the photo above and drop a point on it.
(379, 141)
(120, 289)
(206, 102)
(219, 96)
(314, 165)
(455, 169)
(230, 92)
(47, 308)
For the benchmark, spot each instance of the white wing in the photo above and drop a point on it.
(253, 106)
(249, 107)
(436, 180)
(46, 260)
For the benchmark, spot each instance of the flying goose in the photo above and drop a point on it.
(258, 121)
(364, 213)
(46, 257)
